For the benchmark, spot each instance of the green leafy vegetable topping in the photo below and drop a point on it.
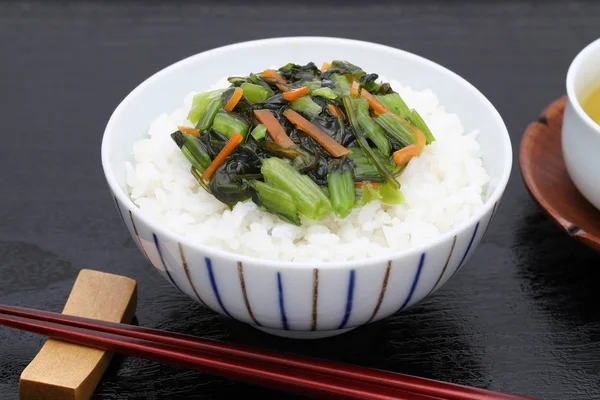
(307, 154)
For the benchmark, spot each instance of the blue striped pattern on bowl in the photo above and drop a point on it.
(309, 299)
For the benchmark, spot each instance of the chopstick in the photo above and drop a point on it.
(330, 378)
(290, 380)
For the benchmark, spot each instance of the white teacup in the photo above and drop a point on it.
(580, 134)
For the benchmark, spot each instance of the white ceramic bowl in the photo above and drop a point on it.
(580, 134)
(303, 300)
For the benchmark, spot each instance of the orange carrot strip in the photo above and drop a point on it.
(421, 140)
(283, 88)
(274, 128)
(373, 185)
(188, 130)
(325, 66)
(354, 89)
(374, 103)
(335, 111)
(272, 74)
(231, 144)
(296, 93)
(233, 100)
(406, 154)
(328, 143)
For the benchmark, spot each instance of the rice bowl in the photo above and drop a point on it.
(379, 260)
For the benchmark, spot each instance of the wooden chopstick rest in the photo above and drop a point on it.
(64, 370)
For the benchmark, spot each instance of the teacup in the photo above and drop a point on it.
(580, 134)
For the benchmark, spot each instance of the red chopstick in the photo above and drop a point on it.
(345, 374)
(300, 382)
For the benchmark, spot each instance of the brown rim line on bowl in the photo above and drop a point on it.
(304, 299)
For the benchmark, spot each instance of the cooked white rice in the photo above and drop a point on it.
(443, 187)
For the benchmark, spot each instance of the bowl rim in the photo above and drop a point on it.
(270, 263)
(572, 74)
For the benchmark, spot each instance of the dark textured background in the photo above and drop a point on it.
(521, 317)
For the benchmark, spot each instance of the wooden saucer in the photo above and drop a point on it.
(545, 175)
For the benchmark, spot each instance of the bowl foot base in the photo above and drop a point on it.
(303, 334)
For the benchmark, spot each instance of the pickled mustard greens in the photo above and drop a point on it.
(302, 141)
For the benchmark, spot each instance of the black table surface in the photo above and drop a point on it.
(513, 320)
